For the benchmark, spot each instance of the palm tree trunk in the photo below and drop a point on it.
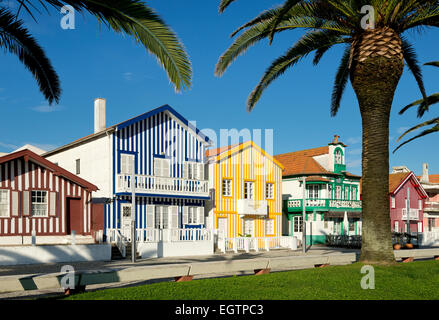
(375, 72)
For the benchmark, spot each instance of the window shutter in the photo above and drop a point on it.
(185, 215)
(14, 203)
(150, 216)
(200, 171)
(200, 215)
(185, 170)
(53, 204)
(166, 168)
(26, 203)
(173, 211)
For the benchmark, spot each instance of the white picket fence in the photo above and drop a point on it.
(164, 235)
(256, 243)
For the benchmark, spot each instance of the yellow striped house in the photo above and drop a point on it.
(246, 192)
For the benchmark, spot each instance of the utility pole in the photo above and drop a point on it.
(408, 212)
(133, 215)
(304, 215)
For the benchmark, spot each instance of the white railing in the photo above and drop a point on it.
(256, 243)
(252, 207)
(114, 236)
(414, 214)
(429, 239)
(431, 206)
(353, 204)
(166, 235)
(165, 185)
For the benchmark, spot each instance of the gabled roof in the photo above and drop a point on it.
(432, 178)
(57, 170)
(219, 154)
(302, 162)
(128, 122)
(397, 180)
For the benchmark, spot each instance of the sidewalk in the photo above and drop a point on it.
(122, 264)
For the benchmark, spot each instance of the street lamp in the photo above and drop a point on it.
(133, 214)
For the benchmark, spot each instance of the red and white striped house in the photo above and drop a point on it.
(36, 194)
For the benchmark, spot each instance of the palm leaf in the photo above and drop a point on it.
(15, 39)
(434, 63)
(224, 4)
(423, 133)
(341, 80)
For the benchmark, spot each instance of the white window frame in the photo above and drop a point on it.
(420, 204)
(249, 222)
(159, 168)
(313, 190)
(33, 204)
(338, 157)
(6, 203)
(249, 190)
(269, 227)
(337, 192)
(298, 223)
(354, 193)
(127, 163)
(396, 226)
(159, 215)
(269, 190)
(192, 216)
(346, 193)
(227, 187)
(393, 202)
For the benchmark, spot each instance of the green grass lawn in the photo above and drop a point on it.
(416, 280)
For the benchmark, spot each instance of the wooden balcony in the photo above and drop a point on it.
(413, 214)
(162, 185)
(295, 205)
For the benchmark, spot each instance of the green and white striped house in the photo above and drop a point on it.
(332, 194)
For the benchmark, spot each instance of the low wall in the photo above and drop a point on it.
(174, 249)
(12, 255)
(43, 240)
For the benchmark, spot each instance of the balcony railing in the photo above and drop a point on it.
(414, 214)
(252, 207)
(162, 185)
(431, 206)
(324, 204)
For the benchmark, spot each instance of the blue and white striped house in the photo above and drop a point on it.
(164, 153)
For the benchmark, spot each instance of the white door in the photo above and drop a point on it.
(249, 227)
(125, 209)
(297, 227)
(222, 228)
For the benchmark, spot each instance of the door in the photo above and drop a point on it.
(249, 227)
(297, 227)
(74, 216)
(126, 219)
(222, 228)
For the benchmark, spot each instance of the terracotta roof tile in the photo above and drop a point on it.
(217, 151)
(395, 179)
(302, 162)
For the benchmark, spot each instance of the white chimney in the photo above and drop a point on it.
(424, 177)
(99, 114)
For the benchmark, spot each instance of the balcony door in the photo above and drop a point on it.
(297, 225)
(249, 227)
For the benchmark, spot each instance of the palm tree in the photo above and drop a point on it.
(422, 108)
(373, 60)
(130, 17)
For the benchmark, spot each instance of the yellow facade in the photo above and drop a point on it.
(246, 162)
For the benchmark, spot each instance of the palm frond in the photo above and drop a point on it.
(423, 133)
(224, 4)
(16, 39)
(434, 64)
(340, 82)
(313, 40)
(137, 20)
(432, 99)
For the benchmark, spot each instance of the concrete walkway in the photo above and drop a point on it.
(125, 264)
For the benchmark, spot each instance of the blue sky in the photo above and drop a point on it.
(95, 63)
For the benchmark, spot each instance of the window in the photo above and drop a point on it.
(249, 227)
(396, 228)
(270, 226)
(352, 225)
(4, 203)
(338, 192)
(313, 191)
(39, 207)
(420, 204)
(269, 191)
(393, 204)
(78, 166)
(227, 187)
(193, 215)
(298, 223)
(346, 193)
(249, 190)
(162, 167)
(193, 171)
(338, 159)
(431, 224)
(126, 163)
(354, 193)
(161, 217)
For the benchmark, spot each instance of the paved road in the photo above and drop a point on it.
(121, 264)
